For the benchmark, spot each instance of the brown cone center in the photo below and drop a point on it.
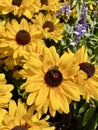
(50, 25)
(88, 68)
(53, 77)
(44, 2)
(23, 37)
(61, 0)
(16, 2)
(19, 128)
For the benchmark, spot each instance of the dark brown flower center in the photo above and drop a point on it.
(16, 2)
(88, 68)
(23, 37)
(50, 25)
(61, 0)
(19, 128)
(44, 2)
(53, 77)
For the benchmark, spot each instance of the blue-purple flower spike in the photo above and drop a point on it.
(64, 10)
(80, 29)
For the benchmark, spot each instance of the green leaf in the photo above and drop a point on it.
(96, 51)
(96, 102)
(96, 122)
(92, 124)
(88, 114)
(74, 3)
(83, 108)
(91, 2)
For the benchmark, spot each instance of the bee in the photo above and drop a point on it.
(55, 67)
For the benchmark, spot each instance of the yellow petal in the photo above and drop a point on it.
(71, 90)
(41, 98)
(64, 104)
(27, 13)
(48, 60)
(32, 87)
(12, 107)
(24, 25)
(31, 98)
(53, 99)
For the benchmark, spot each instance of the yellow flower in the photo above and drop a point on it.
(50, 26)
(19, 36)
(40, 124)
(36, 48)
(2, 28)
(18, 117)
(48, 81)
(20, 7)
(74, 13)
(87, 76)
(7, 58)
(5, 91)
(49, 5)
(93, 6)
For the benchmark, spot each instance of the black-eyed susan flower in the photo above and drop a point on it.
(49, 82)
(49, 5)
(20, 7)
(87, 76)
(36, 48)
(19, 36)
(6, 53)
(40, 124)
(50, 26)
(5, 91)
(18, 117)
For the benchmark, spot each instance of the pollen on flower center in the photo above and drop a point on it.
(16, 2)
(48, 24)
(19, 128)
(44, 2)
(23, 37)
(88, 68)
(53, 77)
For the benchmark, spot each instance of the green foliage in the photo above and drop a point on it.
(88, 114)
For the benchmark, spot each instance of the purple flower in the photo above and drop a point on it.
(80, 29)
(64, 10)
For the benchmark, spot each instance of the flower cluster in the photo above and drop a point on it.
(35, 79)
(80, 28)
